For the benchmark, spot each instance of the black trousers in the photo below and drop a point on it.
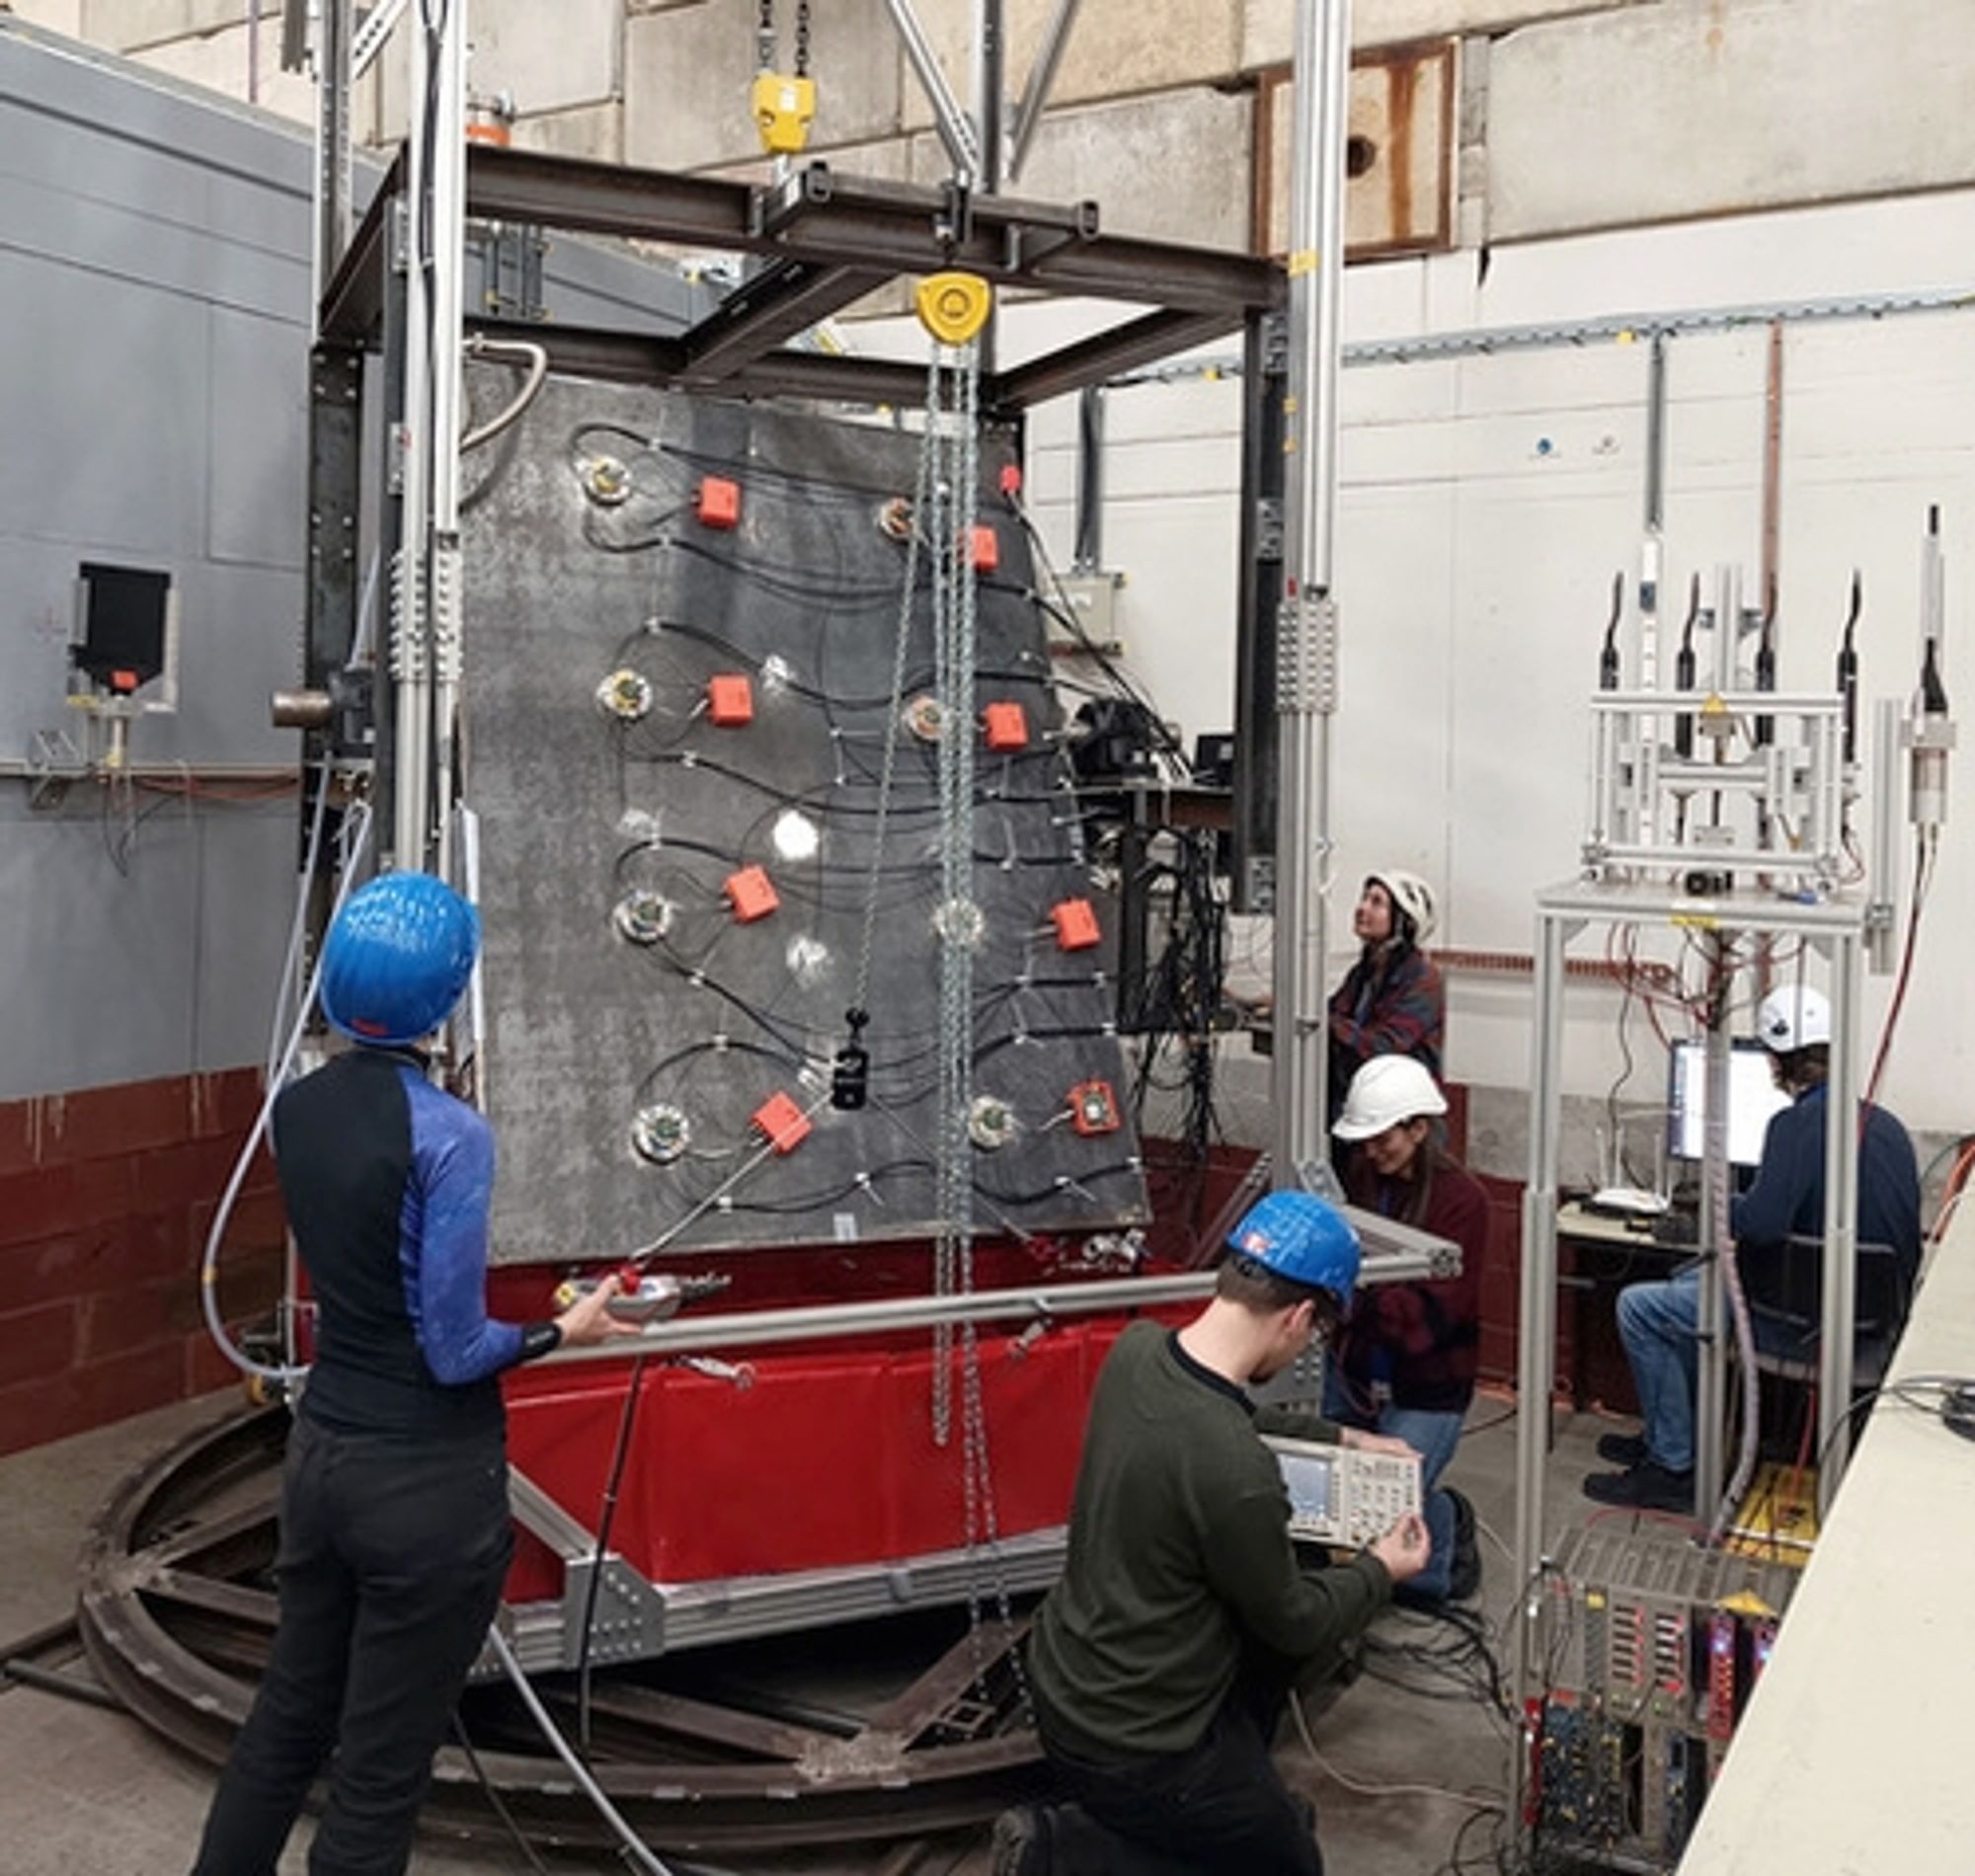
(392, 1556)
(1219, 1808)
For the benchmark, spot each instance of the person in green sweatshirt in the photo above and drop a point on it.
(1162, 1659)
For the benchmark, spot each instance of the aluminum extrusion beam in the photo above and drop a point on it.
(826, 1322)
(1306, 623)
(1091, 361)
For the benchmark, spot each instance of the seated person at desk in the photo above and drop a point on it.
(1657, 1322)
(1406, 1360)
(1162, 1659)
(1392, 1001)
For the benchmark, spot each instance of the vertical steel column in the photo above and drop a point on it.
(1536, 1354)
(991, 62)
(1307, 667)
(1264, 377)
(1841, 1221)
(335, 475)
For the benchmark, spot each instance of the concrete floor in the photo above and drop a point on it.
(93, 1793)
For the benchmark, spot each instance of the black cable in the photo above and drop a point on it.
(495, 1799)
(605, 1519)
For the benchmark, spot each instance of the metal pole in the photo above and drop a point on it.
(448, 265)
(1042, 76)
(1536, 1354)
(989, 108)
(426, 578)
(1711, 1353)
(1306, 677)
(954, 129)
(1727, 626)
(1840, 1221)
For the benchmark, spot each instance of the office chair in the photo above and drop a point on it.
(1786, 1294)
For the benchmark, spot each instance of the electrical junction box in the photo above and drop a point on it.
(1093, 1109)
(1093, 600)
(783, 1125)
(1076, 924)
(719, 504)
(1007, 726)
(730, 699)
(751, 893)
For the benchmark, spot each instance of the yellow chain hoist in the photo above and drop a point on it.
(783, 103)
(954, 306)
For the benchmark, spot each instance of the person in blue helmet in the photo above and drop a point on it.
(1161, 1662)
(394, 1529)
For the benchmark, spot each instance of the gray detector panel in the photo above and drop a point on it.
(639, 1023)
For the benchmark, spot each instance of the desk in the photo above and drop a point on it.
(1597, 1257)
(1853, 1757)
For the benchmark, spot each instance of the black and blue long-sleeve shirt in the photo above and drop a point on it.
(387, 1182)
(1788, 1194)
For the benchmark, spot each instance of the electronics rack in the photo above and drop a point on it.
(1652, 1648)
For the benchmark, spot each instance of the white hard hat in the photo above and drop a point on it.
(1389, 1090)
(1413, 897)
(1794, 1017)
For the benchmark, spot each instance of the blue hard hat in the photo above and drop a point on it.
(398, 957)
(1303, 1238)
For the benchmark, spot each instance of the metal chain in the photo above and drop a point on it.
(861, 998)
(984, 1523)
(954, 1018)
(801, 39)
(765, 38)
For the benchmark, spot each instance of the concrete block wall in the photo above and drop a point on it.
(1575, 113)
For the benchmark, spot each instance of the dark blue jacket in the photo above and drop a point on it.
(1787, 1195)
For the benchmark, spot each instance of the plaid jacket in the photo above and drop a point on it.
(1386, 1005)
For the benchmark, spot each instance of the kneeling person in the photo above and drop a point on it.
(1162, 1659)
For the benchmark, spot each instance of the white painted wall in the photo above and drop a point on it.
(1487, 503)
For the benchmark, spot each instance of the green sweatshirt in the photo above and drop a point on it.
(1179, 1552)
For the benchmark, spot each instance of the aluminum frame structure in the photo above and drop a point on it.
(1650, 861)
(815, 242)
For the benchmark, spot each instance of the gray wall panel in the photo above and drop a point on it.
(103, 404)
(153, 268)
(257, 479)
(111, 977)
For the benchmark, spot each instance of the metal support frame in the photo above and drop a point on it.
(1306, 624)
(1264, 390)
(833, 237)
(1394, 1253)
(1838, 929)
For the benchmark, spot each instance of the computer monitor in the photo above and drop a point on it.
(1753, 1097)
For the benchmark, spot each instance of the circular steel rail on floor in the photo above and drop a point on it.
(177, 1616)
